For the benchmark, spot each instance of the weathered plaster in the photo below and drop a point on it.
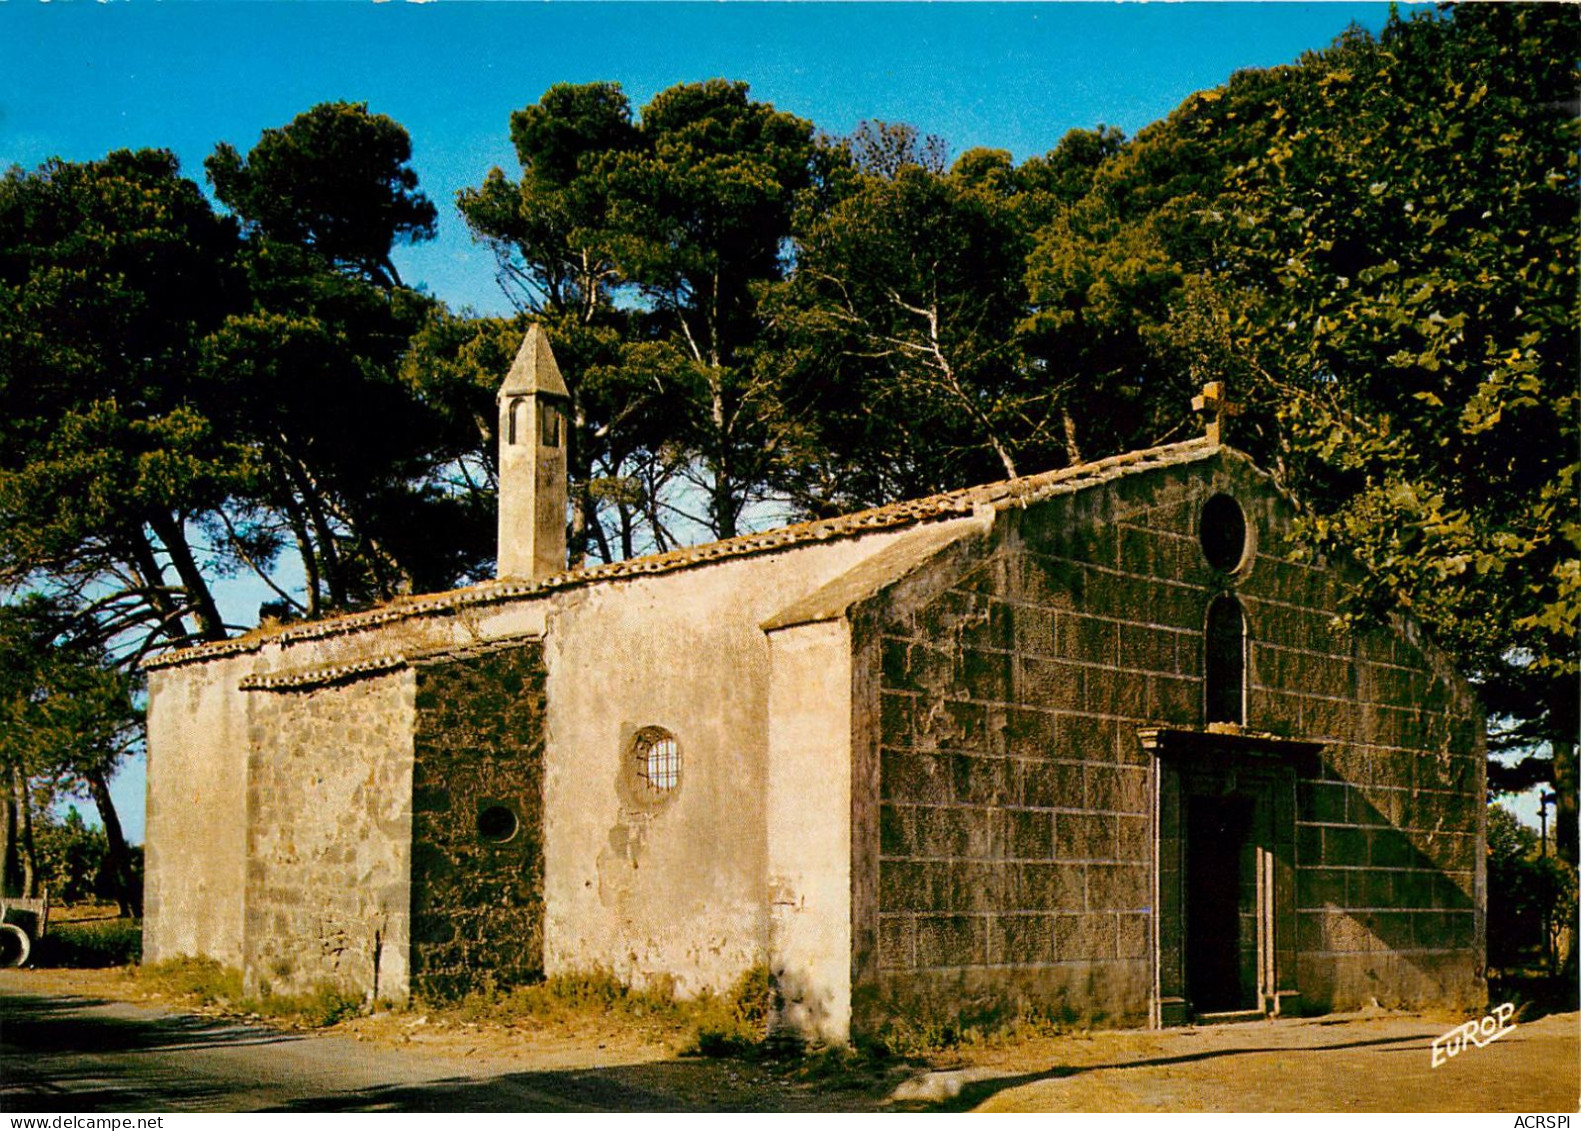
(674, 890)
(808, 816)
(196, 863)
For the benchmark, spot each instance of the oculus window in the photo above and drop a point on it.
(1222, 529)
(657, 761)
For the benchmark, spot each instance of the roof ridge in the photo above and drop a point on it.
(1018, 491)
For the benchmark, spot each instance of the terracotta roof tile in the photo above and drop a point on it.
(1019, 492)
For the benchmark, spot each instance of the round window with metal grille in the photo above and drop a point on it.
(658, 761)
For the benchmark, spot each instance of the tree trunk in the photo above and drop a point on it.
(147, 567)
(307, 493)
(1073, 454)
(211, 626)
(309, 555)
(119, 858)
(10, 864)
(26, 851)
(576, 472)
(627, 544)
(1565, 801)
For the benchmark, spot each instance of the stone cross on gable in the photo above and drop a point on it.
(1214, 406)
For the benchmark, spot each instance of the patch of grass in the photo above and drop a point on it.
(79, 912)
(918, 1032)
(712, 1024)
(200, 981)
(207, 983)
(734, 1022)
(322, 1006)
(567, 998)
(91, 943)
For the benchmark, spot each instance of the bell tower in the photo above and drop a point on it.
(532, 470)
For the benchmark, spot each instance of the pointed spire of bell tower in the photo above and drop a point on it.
(532, 474)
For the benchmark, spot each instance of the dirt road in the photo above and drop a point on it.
(1348, 1063)
(67, 1044)
(86, 1053)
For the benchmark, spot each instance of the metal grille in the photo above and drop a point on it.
(658, 761)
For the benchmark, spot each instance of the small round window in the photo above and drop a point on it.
(497, 823)
(1223, 533)
(658, 761)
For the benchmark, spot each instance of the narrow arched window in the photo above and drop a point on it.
(518, 421)
(1224, 661)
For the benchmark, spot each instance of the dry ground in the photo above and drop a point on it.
(411, 1060)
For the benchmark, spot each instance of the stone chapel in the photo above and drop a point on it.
(1091, 740)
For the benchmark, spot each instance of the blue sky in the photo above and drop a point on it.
(78, 80)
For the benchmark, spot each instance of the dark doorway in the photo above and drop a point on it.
(1218, 880)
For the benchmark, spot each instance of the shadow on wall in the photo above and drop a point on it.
(1375, 911)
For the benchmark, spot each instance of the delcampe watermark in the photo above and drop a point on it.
(1480, 1033)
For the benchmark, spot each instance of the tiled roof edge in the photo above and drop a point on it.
(305, 678)
(1019, 492)
(318, 676)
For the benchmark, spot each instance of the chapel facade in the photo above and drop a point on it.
(1093, 742)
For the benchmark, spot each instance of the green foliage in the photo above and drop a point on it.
(334, 180)
(1527, 892)
(736, 1021)
(644, 245)
(1375, 248)
(111, 272)
(68, 717)
(898, 323)
(108, 942)
(70, 856)
(165, 375)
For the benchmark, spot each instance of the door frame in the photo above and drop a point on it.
(1189, 763)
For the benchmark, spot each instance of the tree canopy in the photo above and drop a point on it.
(336, 179)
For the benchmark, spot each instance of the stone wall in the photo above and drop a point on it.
(196, 833)
(477, 822)
(1016, 803)
(329, 835)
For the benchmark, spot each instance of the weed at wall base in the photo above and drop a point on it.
(207, 983)
(711, 1024)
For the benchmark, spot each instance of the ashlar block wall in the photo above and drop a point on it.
(1014, 843)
